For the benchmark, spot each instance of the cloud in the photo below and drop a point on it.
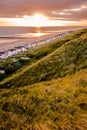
(55, 9)
(79, 13)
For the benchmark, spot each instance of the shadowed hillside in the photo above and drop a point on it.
(68, 58)
(13, 64)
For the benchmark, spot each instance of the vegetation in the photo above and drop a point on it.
(13, 64)
(69, 58)
(54, 105)
(49, 90)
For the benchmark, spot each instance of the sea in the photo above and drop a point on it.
(11, 37)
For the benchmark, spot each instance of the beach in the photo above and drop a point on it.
(15, 41)
(11, 37)
(9, 42)
(11, 46)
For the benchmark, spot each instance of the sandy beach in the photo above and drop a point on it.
(12, 37)
(11, 42)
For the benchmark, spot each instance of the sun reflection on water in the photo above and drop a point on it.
(38, 34)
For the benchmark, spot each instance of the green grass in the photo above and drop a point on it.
(54, 105)
(67, 59)
(50, 91)
(34, 54)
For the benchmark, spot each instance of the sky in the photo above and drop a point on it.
(57, 12)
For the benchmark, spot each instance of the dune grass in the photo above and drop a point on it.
(34, 55)
(65, 60)
(50, 93)
(53, 105)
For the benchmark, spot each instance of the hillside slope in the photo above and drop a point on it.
(13, 64)
(67, 59)
(54, 105)
(51, 93)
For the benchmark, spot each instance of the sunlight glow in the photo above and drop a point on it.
(26, 17)
(39, 20)
(39, 16)
(39, 34)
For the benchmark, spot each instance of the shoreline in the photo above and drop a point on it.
(21, 45)
(9, 42)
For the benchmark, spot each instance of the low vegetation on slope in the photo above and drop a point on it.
(65, 60)
(57, 98)
(53, 105)
(13, 64)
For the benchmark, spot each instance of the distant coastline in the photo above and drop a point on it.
(11, 37)
(21, 46)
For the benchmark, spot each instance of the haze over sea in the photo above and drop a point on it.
(14, 36)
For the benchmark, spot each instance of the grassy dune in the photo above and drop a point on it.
(50, 91)
(53, 105)
(34, 55)
(68, 58)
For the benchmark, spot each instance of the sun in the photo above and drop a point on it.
(39, 20)
(36, 20)
(39, 16)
